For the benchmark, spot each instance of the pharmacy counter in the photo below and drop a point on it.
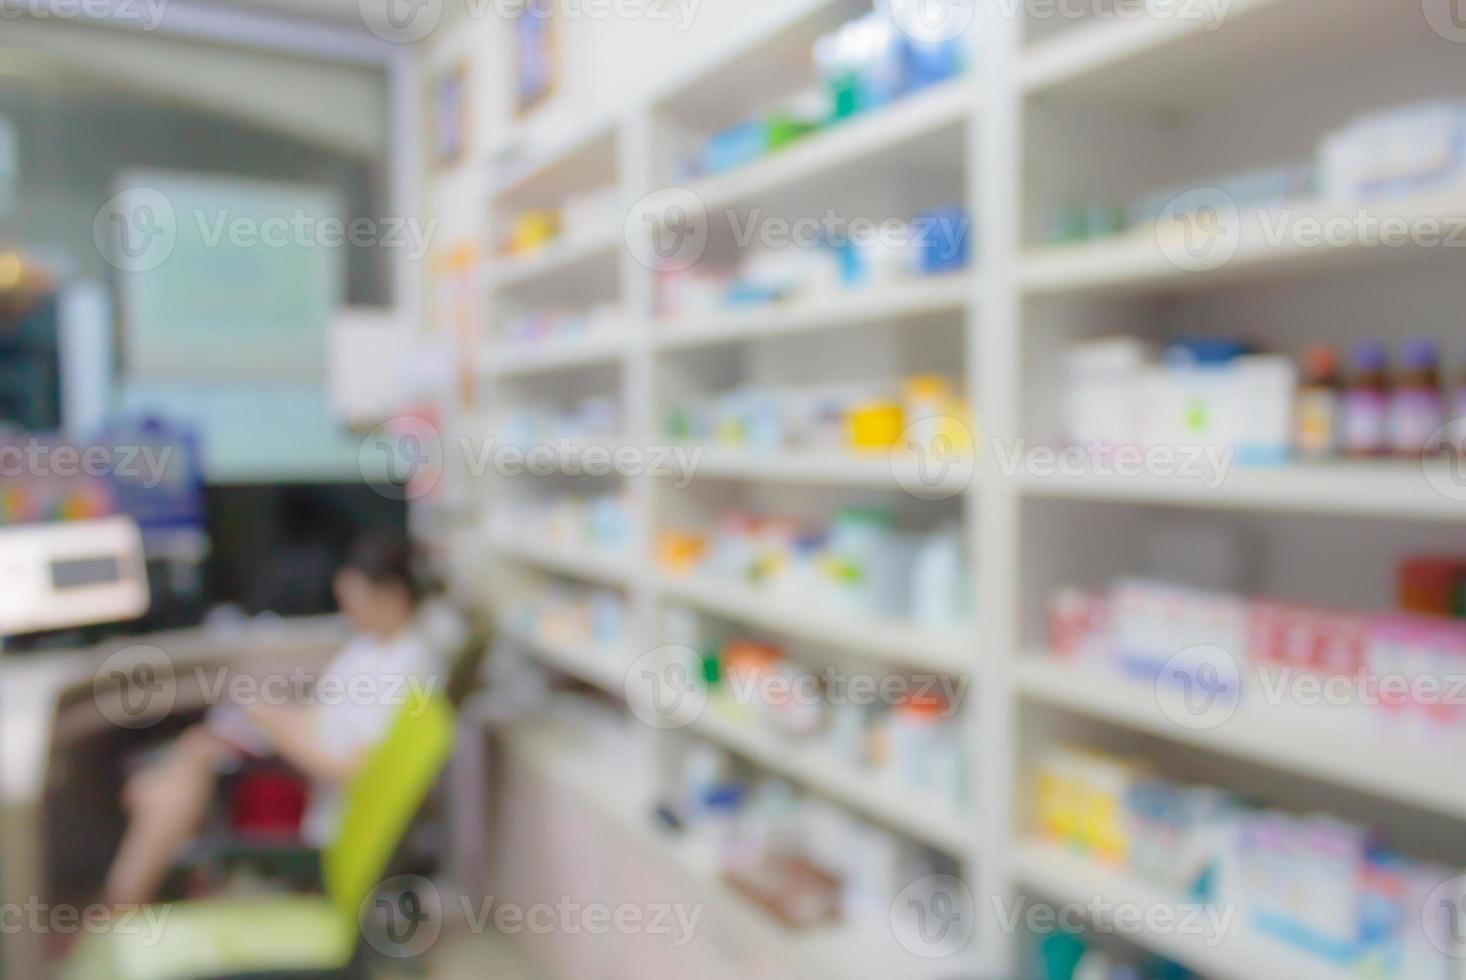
(59, 708)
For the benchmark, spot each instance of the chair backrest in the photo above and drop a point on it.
(382, 799)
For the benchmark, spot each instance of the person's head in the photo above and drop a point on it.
(374, 586)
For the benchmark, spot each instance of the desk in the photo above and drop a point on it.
(35, 687)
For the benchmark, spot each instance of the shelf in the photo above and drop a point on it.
(882, 799)
(1235, 952)
(603, 669)
(510, 360)
(555, 160)
(1135, 262)
(883, 639)
(591, 566)
(556, 257)
(1365, 761)
(1185, 59)
(1384, 489)
(884, 130)
(624, 799)
(917, 298)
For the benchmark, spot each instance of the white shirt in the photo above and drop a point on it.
(355, 701)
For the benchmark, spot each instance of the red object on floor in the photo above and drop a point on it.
(267, 804)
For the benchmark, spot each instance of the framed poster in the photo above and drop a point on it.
(536, 56)
(450, 116)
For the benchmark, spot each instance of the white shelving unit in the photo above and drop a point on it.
(1012, 311)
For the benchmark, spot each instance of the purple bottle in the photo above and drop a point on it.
(1456, 439)
(1367, 402)
(1417, 410)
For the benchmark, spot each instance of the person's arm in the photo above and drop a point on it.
(294, 733)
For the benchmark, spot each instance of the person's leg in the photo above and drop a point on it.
(167, 804)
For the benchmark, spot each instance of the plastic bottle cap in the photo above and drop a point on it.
(1370, 356)
(1421, 354)
(1320, 360)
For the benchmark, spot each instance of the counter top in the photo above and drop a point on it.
(31, 684)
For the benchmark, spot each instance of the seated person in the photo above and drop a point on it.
(326, 741)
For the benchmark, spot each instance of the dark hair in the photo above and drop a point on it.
(384, 556)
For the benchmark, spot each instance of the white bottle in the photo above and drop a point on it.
(939, 581)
